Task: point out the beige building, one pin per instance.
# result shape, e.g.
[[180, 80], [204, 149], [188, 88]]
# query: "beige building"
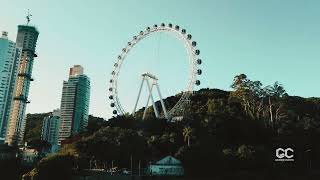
[[26, 40]]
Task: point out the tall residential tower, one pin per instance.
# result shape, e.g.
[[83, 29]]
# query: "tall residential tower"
[[26, 40], [9, 62], [74, 103]]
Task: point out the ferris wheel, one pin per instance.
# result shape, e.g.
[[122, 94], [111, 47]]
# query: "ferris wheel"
[[194, 71]]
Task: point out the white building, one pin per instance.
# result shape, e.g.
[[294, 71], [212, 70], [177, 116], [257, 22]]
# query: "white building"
[[168, 166], [9, 62]]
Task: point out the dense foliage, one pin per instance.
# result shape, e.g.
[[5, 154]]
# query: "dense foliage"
[[223, 134], [52, 167], [33, 127]]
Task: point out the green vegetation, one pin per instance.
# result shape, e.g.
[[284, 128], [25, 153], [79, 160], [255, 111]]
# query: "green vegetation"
[[33, 127], [52, 167], [223, 134]]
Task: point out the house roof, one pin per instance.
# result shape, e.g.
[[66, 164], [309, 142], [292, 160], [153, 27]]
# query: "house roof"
[[169, 160]]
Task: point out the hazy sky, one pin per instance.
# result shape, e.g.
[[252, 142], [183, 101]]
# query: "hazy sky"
[[269, 40]]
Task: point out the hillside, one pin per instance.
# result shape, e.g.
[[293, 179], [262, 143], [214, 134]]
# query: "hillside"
[[34, 125], [235, 131]]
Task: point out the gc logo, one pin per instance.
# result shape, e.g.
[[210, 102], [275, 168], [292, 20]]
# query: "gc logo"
[[284, 153]]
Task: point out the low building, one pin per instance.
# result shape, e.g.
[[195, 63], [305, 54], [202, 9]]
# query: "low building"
[[168, 166], [29, 156]]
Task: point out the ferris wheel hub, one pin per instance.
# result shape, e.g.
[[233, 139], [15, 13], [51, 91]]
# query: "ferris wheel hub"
[[147, 74]]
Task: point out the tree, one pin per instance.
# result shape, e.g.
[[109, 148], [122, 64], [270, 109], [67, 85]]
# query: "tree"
[[187, 133], [245, 152], [113, 143], [274, 94], [250, 94], [40, 145], [53, 167], [95, 123], [34, 126], [259, 102]]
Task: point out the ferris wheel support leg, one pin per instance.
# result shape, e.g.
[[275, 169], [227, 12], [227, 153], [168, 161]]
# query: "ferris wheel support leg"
[[135, 106], [162, 103], [153, 104], [146, 107], [150, 95]]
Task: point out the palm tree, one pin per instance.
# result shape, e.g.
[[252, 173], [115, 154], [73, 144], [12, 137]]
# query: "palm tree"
[[187, 133]]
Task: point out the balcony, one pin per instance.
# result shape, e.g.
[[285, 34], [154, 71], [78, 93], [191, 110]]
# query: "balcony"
[[29, 50], [21, 98], [28, 76]]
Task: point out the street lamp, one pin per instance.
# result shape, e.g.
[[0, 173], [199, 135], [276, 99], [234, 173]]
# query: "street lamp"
[[309, 152]]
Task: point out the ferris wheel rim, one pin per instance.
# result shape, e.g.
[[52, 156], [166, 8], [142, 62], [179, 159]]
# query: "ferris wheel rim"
[[193, 59]]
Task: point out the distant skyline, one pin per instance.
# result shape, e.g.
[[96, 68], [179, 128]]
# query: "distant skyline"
[[269, 40]]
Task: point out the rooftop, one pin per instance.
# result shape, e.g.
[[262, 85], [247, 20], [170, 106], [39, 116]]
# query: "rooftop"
[[27, 27]]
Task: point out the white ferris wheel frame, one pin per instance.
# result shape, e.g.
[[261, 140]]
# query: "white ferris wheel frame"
[[193, 59]]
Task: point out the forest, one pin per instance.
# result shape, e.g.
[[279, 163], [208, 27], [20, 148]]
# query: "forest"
[[223, 135]]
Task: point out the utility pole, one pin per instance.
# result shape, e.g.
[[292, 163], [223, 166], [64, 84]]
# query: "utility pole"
[[131, 164], [112, 167], [105, 165], [309, 151], [139, 168]]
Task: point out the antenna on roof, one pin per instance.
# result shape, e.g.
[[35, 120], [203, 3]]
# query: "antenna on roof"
[[28, 17]]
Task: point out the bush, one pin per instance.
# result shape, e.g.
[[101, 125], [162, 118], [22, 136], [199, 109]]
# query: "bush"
[[53, 167]]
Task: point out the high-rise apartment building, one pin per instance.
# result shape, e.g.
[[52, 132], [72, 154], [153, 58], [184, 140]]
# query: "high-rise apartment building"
[[50, 128], [9, 62], [26, 40], [74, 103]]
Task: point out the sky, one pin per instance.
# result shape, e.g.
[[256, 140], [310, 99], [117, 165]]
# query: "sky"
[[268, 40]]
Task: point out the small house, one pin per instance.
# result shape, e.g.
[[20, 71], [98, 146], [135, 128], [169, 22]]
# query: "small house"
[[168, 166]]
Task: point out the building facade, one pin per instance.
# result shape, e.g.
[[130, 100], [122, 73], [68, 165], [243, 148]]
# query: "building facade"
[[74, 103], [9, 62], [26, 40], [168, 166], [50, 128]]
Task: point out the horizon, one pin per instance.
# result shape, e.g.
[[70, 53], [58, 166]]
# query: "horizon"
[[268, 41]]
